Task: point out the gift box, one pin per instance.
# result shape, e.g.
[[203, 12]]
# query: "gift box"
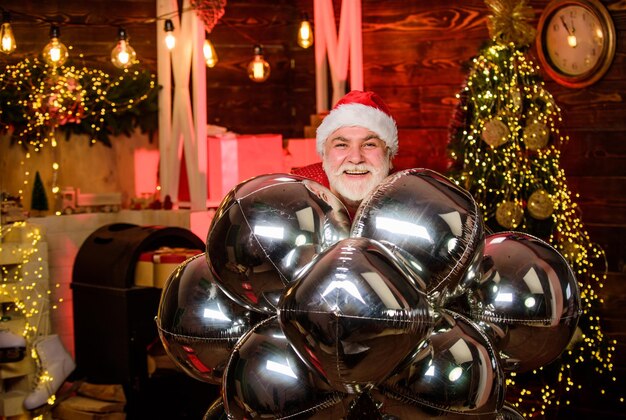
[[153, 268], [234, 158], [144, 269], [300, 153], [166, 260]]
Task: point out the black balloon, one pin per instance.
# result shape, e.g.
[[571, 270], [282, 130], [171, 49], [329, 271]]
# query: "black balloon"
[[353, 315], [428, 220], [265, 230], [198, 324], [527, 300]]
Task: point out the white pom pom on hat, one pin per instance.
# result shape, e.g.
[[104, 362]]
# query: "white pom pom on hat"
[[360, 109]]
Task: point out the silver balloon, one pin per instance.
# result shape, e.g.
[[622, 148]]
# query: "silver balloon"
[[396, 409], [265, 230], [432, 223], [216, 411], [353, 315], [265, 378], [198, 324], [509, 413], [459, 374], [527, 300]]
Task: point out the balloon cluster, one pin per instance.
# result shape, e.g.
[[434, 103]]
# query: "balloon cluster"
[[411, 311]]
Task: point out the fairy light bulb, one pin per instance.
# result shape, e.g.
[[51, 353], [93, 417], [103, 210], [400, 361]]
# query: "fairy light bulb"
[[258, 68], [305, 33], [210, 56], [7, 40], [170, 39], [55, 53], [123, 55]]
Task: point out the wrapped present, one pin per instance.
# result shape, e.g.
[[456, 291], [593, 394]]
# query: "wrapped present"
[[300, 153], [153, 268], [232, 159], [166, 260], [144, 269]]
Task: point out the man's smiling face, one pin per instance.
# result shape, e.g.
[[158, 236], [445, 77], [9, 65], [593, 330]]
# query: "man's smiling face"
[[355, 160]]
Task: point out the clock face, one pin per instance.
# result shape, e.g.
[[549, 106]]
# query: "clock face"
[[574, 40]]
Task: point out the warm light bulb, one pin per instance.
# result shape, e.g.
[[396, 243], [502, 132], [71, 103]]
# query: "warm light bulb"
[[123, 55], [170, 39], [55, 53], [210, 56], [258, 68], [305, 33], [7, 40]]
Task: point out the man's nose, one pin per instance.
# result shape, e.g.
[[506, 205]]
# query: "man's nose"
[[355, 155]]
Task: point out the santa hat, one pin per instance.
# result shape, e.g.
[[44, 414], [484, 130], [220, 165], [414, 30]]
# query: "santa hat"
[[362, 109]]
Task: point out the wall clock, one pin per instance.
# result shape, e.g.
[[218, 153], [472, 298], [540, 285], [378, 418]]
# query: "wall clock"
[[575, 41]]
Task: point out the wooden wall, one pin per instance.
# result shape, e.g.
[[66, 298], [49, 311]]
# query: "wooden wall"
[[414, 56]]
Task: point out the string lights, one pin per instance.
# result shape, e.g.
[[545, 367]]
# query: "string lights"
[[123, 55], [305, 32], [7, 39], [55, 52], [506, 144], [210, 56], [170, 39], [258, 68]]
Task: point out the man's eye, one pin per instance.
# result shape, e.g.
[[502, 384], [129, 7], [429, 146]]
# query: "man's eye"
[[370, 145], [340, 145]]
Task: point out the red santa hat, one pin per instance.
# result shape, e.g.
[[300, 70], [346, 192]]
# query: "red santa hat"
[[362, 109]]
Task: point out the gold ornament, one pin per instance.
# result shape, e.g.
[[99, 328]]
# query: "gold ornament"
[[536, 136], [540, 205], [509, 214], [508, 22], [495, 133]]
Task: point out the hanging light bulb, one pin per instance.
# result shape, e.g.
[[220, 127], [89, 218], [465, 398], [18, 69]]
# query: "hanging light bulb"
[[7, 40], [305, 33], [258, 68], [210, 56], [55, 53], [170, 39], [123, 55]]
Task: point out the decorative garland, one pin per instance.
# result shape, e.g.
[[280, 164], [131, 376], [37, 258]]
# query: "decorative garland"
[[36, 99]]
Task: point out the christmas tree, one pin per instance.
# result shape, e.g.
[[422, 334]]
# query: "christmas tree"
[[505, 146], [39, 201]]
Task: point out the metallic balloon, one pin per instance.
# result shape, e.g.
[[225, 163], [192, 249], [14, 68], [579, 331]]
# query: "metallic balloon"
[[509, 413], [396, 409], [353, 315], [198, 324], [265, 230], [528, 300], [216, 411], [265, 378], [460, 373], [432, 223]]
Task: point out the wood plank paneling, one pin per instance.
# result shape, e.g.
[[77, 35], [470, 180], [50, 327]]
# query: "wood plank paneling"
[[415, 55]]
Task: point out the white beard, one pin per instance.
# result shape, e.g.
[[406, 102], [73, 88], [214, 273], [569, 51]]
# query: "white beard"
[[356, 190]]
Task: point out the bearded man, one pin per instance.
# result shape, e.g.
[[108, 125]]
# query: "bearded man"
[[356, 141]]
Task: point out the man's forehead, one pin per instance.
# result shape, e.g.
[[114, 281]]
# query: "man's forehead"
[[353, 134]]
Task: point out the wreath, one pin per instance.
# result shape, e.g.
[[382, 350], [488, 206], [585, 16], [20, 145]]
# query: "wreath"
[[37, 99]]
